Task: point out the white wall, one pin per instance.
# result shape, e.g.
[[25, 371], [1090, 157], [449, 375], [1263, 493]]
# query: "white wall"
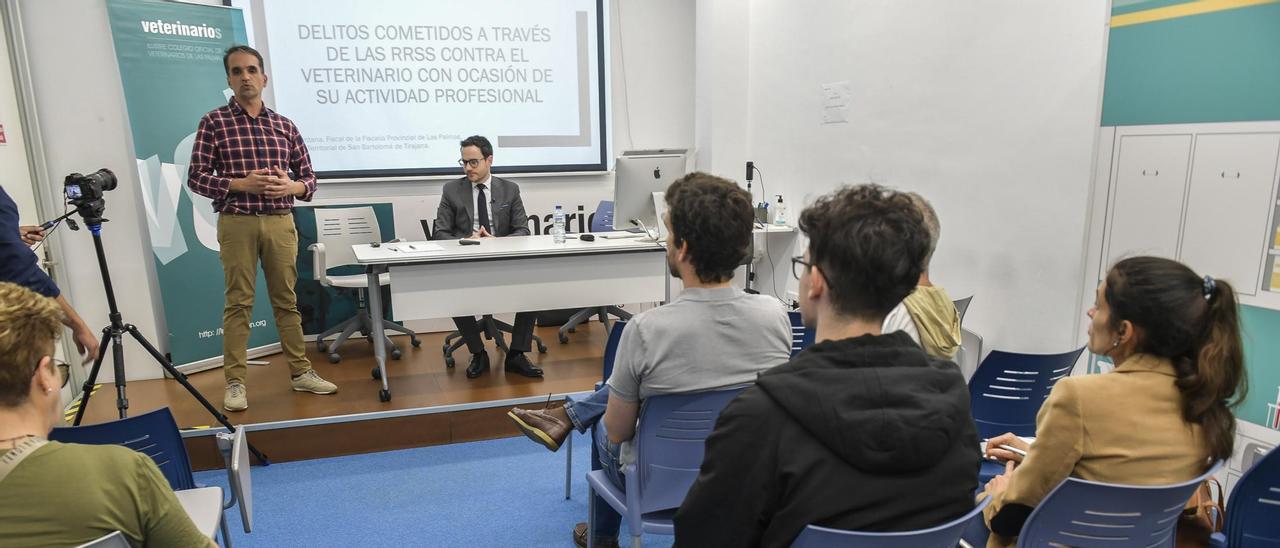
[[14, 175], [84, 126], [721, 86], [80, 108], [988, 109]]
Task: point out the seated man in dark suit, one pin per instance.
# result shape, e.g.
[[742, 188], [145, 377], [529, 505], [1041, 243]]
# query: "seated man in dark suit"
[[480, 205]]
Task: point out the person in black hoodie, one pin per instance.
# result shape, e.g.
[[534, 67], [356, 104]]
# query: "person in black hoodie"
[[861, 431]]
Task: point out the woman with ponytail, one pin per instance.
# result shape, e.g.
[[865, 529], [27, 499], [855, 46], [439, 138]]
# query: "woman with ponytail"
[[1162, 416]]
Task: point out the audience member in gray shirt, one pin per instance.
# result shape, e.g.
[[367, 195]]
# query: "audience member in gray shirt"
[[712, 335]]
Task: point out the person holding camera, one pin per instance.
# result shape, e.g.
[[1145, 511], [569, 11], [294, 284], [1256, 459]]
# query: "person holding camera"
[[18, 264], [241, 158]]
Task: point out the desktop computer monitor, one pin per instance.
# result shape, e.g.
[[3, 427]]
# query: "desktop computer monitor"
[[637, 175]]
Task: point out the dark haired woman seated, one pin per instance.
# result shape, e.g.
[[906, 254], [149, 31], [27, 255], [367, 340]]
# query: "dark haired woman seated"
[[1162, 417]]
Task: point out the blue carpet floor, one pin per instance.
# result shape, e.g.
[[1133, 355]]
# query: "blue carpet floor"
[[497, 493]]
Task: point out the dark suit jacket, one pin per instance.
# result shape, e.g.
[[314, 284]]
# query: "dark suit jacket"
[[454, 218]]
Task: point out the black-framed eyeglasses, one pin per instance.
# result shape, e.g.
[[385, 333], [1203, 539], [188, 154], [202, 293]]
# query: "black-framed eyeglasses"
[[472, 162], [64, 369], [799, 265]]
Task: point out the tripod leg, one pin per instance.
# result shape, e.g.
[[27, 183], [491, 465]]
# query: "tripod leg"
[[87, 390], [182, 379], [117, 363]]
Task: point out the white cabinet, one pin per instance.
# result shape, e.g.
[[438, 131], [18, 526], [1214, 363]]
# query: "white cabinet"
[[1150, 181], [1229, 204], [1204, 194]]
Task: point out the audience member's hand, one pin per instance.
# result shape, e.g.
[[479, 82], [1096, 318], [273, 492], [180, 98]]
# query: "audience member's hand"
[[484, 233], [31, 234], [994, 450], [999, 483]]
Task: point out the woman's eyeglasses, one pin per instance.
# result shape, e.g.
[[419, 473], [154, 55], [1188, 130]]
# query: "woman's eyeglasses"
[[64, 369]]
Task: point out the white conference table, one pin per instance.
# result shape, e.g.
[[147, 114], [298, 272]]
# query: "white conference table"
[[441, 278]]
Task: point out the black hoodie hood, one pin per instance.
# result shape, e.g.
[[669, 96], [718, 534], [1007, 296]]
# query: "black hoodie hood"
[[877, 401]]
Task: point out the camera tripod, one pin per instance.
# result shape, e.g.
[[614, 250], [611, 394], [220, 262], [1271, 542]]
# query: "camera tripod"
[[114, 335]]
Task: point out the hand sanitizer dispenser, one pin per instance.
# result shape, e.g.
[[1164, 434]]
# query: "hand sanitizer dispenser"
[[780, 212]]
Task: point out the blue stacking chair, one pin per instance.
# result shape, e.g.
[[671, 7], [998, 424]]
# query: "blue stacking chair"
[[611, 350], [1008, 389], [669, 446], [154, 434], [1088, 514], [946, 535], [801, 336], [610, 353], [1253, 513], [1006, 393]]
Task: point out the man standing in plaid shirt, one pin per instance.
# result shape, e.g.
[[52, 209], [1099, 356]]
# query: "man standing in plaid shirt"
[[242, 158]]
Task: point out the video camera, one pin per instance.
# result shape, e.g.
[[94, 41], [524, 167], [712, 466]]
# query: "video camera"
[[85, 192]]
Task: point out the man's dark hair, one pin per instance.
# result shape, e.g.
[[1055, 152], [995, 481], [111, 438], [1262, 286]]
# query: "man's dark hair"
[[712, 215], [478, 141], [870, 243], [226, 57]]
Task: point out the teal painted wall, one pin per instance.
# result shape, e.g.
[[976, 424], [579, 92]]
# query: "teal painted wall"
[[1262, 359], [1215, 67], [1120, 7]]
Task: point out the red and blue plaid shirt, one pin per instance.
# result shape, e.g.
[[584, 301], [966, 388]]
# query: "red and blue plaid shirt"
[[230, 144]]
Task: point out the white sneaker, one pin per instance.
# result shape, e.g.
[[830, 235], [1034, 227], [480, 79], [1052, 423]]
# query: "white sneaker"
[[236, 397], [311, 382]]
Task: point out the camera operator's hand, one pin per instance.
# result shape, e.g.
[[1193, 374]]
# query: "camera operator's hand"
[[86, 343], [282, 186], [31, 234], [86, 340], [256, 182]]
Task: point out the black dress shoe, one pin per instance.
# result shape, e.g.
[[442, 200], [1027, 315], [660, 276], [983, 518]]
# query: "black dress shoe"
[[517, 363], [479, 364]]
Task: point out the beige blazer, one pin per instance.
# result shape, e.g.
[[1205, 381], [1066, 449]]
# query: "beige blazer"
[[1122, 427]]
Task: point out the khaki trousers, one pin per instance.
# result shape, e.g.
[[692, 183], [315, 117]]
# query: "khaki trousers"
[[244, 240]]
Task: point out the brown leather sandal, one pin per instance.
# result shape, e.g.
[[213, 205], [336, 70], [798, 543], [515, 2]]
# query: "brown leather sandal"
[[580, 538]]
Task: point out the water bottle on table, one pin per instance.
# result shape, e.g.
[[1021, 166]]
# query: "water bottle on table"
[[557, 226]]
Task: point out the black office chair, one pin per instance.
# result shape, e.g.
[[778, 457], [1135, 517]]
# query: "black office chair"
[[490, 326]]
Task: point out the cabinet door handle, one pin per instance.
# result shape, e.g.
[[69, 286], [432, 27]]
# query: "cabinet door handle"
[[1226, 175], [1151, 172]]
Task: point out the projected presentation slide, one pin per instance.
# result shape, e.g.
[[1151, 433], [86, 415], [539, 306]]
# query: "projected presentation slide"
[[389, 88]]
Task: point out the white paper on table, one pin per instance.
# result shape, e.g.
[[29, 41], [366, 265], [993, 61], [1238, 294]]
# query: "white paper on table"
[[414, 247]]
